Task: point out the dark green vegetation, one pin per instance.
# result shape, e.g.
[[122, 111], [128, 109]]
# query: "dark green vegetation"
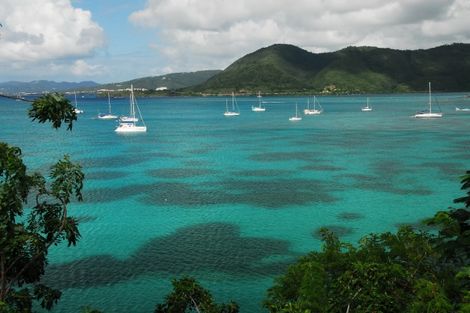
[[406, 271], [33, 214], [287, 69], [189, 296]]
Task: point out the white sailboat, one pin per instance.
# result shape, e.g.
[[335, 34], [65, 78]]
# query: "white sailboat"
[[428, 113], [234, 111], [132, 127], [77, 110], [296, 117], [315, 110], [109, 115], [260, 107], [367, 108], [462, 109]]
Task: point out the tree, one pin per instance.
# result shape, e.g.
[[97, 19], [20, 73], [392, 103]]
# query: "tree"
[[189, 296], [34, 214]]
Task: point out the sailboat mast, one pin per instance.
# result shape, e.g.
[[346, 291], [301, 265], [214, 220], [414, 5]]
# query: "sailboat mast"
[[132, 102], [109, 103], [233, 101], [429, 97]]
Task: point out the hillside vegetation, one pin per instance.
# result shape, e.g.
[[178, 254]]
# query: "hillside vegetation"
[[284, 68], [170, 81]]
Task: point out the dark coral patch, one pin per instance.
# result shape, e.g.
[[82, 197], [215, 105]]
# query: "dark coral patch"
[[349, 216], [182, 172], [321, 167], [205, 247], [283, 156], [263, 173]]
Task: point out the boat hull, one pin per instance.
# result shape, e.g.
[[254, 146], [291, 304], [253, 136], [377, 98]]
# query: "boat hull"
[[428, 115], [257, 109], [107, 117], [231, 114], [130, 128], [312, 112]]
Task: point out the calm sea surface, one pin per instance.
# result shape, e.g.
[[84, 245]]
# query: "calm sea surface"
[[232, 201]]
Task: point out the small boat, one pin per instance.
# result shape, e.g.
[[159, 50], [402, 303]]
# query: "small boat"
[[314, 111], [296, 117], [260, 107], [109, 115], [235, 111], [462, 109], [367, 108], [428, 113], [131, 126], [77, 110]]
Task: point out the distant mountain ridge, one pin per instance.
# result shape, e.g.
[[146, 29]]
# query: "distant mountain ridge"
[[38, 86], [169, 81], [282, 68]]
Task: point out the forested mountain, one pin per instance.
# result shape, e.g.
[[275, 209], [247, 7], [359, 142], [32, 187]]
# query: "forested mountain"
[[284, 68]]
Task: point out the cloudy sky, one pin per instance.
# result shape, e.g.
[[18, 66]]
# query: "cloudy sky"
[[116, 40]]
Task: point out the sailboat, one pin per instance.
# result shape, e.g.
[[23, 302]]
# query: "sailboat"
[[367, 108], [258, 108], [462, 109], [132, 127], [314, 111], [234, 111], [77, 110], [296, 117], [109, 116], [428, 113]]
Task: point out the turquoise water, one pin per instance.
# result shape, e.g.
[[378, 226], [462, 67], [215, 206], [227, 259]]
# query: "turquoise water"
[[232, 201]]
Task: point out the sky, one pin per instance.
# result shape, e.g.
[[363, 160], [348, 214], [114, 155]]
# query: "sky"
[[116, 40]]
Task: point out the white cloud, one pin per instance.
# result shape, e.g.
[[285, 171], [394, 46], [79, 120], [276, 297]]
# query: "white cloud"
[[195, 34], [82, 68], [38, 32]]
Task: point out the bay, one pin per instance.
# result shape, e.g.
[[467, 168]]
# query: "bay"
[[233, 201]]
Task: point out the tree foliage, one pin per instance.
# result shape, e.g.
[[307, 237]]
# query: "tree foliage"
[[34, 215], [407, 271], [54, 108], [190, 296]]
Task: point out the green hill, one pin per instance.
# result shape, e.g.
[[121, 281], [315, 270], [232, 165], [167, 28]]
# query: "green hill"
[[170, 81], [286, 68]]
